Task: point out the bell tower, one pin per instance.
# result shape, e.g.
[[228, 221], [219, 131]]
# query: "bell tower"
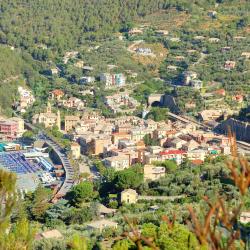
[[58, 120], [48, 107]]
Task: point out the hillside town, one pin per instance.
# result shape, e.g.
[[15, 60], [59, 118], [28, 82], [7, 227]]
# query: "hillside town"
[[124, 125]]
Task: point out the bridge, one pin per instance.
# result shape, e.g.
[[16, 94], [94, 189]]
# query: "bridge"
[[69, 180]]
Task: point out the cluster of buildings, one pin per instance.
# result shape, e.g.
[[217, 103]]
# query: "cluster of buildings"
[[121, 103], [11, 128], [113, 80], [120, 142], [48, 118], [26, 99], [65, 101]]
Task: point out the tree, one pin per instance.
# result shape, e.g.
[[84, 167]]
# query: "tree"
[[12, 236], [78, 242], [40, 202], [83, 192], [170, 165], [28, 135], [128, 178], [178, 237], [7, 198], [149, 141], [158, 114]]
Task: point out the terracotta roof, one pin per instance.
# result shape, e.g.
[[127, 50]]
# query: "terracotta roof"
[[58, 92], [197, 162]]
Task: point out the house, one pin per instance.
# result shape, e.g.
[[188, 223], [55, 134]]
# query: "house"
[[103, 211], [196, 84], [212, 13], [238, 98], [229, 65], [74, 102], [161, 32], [8, 130], [188, 76], [172, 67], [225, 49], [213, 40], [86, 79], [70, 121], [97, 144], [79, 64], [196, 154], [129, 196], [120, 136], [119, 162], [144, 51], [26, 99], [20, 126], [221, 92], [175, 39], [135, 31], [87, 68], [199, 38], [176, 143], [246, 54], [56, 94], [113, 79], [173, 154], [191, 145], [244, 217], [54, 71], [209, 115], [75, 150], [153, 173], [102, 224], [179, 58]]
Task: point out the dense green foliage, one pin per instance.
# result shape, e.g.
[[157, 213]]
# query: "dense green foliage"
[[64, 24]]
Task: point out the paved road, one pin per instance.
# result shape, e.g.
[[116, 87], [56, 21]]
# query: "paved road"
[[69, 171], [69, 180]]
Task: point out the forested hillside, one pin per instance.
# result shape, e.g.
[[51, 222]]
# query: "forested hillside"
[[63, 24], [12, 70]]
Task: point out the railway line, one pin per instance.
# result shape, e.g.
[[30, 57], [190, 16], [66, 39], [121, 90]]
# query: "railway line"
[[240, 144]]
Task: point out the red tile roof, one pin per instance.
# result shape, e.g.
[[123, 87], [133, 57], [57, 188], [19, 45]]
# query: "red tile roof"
[[172, 152], [58, 92]]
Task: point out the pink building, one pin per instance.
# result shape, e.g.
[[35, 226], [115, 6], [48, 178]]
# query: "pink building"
[[8, 129]]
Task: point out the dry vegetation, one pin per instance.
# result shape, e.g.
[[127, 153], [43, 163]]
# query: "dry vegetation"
[[164, 20]]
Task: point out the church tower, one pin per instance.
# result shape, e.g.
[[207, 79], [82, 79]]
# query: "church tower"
[[48, 107], [58, 120]]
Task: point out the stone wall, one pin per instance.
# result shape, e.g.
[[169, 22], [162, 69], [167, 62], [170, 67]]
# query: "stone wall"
[[241, 129]]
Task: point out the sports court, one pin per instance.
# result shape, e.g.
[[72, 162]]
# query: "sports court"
[[16, 162]]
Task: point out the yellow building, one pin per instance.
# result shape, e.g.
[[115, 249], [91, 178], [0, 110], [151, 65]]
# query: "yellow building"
[[153, 173], [76, 150], [129, 196], [97, 145], [70, 122]]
